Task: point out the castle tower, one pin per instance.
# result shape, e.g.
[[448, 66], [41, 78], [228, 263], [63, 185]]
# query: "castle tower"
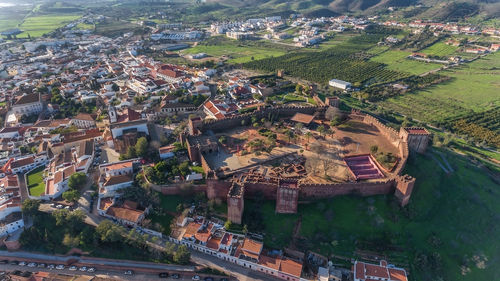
[[404, 188], [194, 125], [112, 114], [417, 138], [333, 101], [287, 197], [235, 202]]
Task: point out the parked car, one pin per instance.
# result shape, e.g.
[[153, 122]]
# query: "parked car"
[[51, 266], [129, 272], [83, 268], [59, 266], [163, 275], [73, 268], [14, 262], [91, 269], [208, 279], [59, 206], [32, 264], [22, 263], [67, 207], [176, 276], [196, 277], [41, 265]]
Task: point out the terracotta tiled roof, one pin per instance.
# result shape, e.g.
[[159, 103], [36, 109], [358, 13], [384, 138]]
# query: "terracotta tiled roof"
[[291, 267], [191, 229], [271, 262], [29, 98], [22, 162], [302, 118], [252, 246], [118, 180], [397, 274], [125, 213]]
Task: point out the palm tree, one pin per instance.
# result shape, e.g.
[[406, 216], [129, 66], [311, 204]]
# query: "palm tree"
[[321, 130]]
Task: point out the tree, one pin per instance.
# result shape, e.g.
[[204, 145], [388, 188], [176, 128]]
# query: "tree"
[[70, 241], [108, 231], [77, 180], [321, 130], [141, 147], [373, 149], [308, 135], [228, 224], [222, 139], [71, 195], [30, 207], [182, 255]]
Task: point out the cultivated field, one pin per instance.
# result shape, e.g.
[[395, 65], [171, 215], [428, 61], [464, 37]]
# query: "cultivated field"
[[397, 60], [474, 87], [37, 26], [235, 54], [440, 49]]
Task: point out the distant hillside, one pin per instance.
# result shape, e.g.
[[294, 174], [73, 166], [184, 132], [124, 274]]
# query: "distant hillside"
[[431, 9]]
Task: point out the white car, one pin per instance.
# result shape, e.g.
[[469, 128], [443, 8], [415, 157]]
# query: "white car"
[[51, 266], [31, 264], [196, 277], [73, 268], [59, 206], [59, 266], [91, 269], [83, 268], [22, 263]]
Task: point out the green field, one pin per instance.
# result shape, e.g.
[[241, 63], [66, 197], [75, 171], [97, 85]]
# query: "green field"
[[115, 28], [36, 184], [452, 217], [474, 87], [397, 60], [237, 54], [37, 26], [440, 49]]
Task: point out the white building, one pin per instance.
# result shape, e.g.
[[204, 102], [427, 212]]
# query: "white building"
[[340, 84], [28, 104]]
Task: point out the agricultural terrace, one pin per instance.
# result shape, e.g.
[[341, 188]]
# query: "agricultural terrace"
[[472, 89], [397, 60], [35, 182], [276, 148]]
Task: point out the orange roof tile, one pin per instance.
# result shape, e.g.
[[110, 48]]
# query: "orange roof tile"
[[291, 267], [252, 246]]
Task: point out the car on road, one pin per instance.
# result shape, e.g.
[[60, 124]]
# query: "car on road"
[[51, 266], [196, 277], [176, 276], [91, 269], [41, 265], [83, 268], [53, 205], [72, 268], [32, 264], [223, 279], [59, 266], [163, 275], [208, 279], [129, 272], [22, 263], [14, 262], [59, 206], [67, 207]]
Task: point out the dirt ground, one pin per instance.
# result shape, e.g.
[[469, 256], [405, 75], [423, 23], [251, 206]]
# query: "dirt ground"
[[322, 165]]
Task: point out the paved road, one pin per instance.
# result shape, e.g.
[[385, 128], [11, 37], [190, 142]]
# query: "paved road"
[[117, 275], [22, 186], [242, 273], [136, 265]]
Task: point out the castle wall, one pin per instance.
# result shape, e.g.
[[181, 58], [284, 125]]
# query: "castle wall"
[[266, 190], [311, 191], [388, 132], [217, 189]]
